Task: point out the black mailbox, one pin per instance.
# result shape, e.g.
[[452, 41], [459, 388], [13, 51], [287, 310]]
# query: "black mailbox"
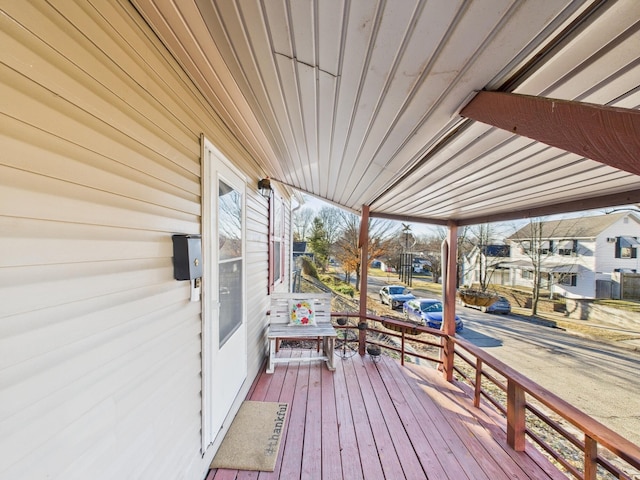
[[187, 257]]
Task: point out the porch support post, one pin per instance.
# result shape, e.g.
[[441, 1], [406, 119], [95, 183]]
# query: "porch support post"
[[364, 271], [609, 135], [449, 298]]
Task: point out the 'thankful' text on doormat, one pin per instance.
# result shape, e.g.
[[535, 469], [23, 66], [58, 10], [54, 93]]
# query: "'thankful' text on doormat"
[[253, 439]]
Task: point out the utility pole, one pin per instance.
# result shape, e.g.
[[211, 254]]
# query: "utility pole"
[[406, 262]]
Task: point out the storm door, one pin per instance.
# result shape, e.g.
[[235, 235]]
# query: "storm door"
[[224, 317]]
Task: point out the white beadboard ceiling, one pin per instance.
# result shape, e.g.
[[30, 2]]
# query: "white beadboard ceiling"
[[357, 101]]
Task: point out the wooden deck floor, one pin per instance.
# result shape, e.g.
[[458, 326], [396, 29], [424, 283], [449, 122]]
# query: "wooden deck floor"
[[383, 421]]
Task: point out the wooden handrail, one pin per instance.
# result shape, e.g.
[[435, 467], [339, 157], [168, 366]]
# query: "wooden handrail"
[[593, 429]]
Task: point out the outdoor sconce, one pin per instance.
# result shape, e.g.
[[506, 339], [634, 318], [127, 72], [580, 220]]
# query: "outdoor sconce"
[[264, 186]]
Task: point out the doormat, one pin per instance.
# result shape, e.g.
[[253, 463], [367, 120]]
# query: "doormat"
[[253, 439]]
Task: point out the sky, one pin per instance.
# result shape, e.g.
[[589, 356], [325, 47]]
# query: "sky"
[[416, 228], [419, 229]]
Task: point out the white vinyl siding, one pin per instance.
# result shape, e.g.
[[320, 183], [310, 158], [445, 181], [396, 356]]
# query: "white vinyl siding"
[[99, 346], [606, 261]]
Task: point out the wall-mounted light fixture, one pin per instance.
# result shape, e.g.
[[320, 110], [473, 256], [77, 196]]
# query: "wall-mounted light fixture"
[[264, 185]]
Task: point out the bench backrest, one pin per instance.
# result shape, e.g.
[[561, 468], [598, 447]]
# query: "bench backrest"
[[279, 312]]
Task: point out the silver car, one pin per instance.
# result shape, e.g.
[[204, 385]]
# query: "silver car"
[[501, 305], [395, 295]]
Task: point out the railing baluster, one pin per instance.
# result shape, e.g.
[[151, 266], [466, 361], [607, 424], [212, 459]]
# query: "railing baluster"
[[478, 386], [590, 458], [516, 419]]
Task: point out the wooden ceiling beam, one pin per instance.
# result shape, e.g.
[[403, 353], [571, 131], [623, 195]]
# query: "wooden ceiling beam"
[[608, 135]]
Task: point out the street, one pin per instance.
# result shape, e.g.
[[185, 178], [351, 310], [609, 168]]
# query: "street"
[[598, 378]]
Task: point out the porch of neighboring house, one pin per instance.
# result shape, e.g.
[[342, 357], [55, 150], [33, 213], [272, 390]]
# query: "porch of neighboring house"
[[376, 420]]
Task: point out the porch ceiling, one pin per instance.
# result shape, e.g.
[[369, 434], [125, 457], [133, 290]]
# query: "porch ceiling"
[[358, 102]]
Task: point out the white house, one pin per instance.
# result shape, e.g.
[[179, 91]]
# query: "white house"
[[109, 367], [578, 256], [486, 262]]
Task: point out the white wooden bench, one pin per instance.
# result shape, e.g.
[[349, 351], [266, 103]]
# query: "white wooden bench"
[[279, 328]]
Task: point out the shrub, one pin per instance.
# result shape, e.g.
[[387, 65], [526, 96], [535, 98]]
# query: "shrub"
[[308, 268], [330, 280], [345, 289]]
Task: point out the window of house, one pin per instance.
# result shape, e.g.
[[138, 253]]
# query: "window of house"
[[626, 247], [567, 248], [626, 252], [527, 274], [546, 247], [277, 240], [568, 280]]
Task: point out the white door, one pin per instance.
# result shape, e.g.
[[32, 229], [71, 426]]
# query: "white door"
[[224, 341]]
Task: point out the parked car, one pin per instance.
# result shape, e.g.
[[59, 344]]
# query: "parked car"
[[395, 295], [502, 305], [427, 312]]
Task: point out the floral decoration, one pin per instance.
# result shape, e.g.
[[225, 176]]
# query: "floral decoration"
[[301, 313]]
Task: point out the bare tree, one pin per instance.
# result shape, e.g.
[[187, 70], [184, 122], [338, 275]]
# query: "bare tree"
[[429, 247], [332, 221], [348, 250], [403, 242], [302, 222], [530, 240], [465, 245], [346, 247], [483, 237], [535, 241]]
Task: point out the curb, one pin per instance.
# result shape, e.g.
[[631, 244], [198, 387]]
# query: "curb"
[[566, 326]]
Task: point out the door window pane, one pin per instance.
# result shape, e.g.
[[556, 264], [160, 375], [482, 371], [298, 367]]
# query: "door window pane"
[[229, 260]]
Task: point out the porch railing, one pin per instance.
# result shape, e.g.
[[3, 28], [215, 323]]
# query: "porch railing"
[[529, 410]]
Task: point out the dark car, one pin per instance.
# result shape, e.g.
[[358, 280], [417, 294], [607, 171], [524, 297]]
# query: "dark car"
[[501, 305], [395, 295], [427, 312]]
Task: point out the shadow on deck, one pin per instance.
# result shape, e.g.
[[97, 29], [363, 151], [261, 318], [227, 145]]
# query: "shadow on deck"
[[381, 420]]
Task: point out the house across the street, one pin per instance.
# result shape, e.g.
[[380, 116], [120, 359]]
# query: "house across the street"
[[583, 257]]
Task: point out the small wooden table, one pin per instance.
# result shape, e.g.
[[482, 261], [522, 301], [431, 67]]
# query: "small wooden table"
[[280, 332]]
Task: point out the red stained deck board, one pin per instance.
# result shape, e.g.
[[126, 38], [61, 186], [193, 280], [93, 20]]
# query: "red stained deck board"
[[331, 464], [369, 420], [427, 455], [471, 433], [530, 461], [383, 441], [293, 447], [420, 410], [407, 455], [439, 409], [312, 458], [369, 457], [349, 453], [222, 474], [283, 392]]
